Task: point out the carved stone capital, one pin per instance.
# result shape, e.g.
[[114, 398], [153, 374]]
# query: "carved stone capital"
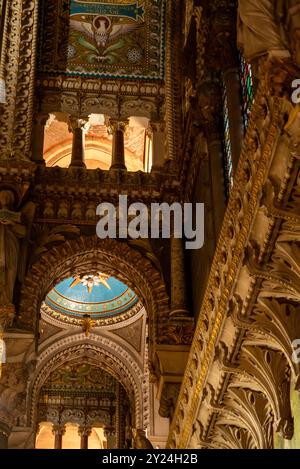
[[7, 313], [78, 123], [58, 429], [84, 431], [117, 124], [109, 431], [41, 119], [156, 127]]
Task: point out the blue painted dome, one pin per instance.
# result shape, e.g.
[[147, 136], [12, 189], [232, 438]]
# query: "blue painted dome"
[[98, 296]]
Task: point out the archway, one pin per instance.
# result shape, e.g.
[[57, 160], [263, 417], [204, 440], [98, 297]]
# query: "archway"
[[89, 253], [99, 352], [102, 346], [85, 405]]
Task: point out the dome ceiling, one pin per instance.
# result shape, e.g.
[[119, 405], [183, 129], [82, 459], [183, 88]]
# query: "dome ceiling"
[[102, 298]]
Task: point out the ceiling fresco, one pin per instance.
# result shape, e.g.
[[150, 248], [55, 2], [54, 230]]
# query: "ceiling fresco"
[[103, 39], [98, 296]]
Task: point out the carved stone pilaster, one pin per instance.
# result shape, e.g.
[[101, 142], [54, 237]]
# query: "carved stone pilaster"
[[16, 118], [156, 132], [168, 400]]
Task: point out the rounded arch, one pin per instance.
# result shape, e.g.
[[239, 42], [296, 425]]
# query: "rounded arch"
[[89, 253], [97, 351]]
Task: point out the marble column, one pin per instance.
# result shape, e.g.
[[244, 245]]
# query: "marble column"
[[117, 129], [236, 128], [84, 433], [38, 134], [156, 132], [78, 127], [179, 308], [58, 431]]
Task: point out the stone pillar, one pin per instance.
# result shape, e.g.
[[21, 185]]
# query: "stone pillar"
[[58, 431], [84, 433], [216, 160], [156, 132], [210, 107], [38, 133], [117, 129], [110, 435], [78, 127], [179, 307], [233, 91]]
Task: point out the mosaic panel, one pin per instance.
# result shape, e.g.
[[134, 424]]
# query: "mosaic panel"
[[108, 39]]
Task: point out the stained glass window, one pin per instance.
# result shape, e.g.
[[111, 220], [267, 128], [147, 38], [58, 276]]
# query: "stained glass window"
[[246, 89], [228, 168]]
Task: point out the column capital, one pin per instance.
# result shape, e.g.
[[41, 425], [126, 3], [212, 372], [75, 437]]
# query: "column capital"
[[58, 429], [156, 126], [75, 122], [109, 431], [117, 124], [41, 118], [84, 431]]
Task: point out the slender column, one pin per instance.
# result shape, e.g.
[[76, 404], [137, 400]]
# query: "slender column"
[[117, 129], [38, 134], [233, 91], [156, 132], [58, 431], [84, 433], [78, 127], [179, 308], [3, 46], [110, 435]]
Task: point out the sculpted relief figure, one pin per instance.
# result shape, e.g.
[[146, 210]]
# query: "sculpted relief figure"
[[269, 27], [13, 228]]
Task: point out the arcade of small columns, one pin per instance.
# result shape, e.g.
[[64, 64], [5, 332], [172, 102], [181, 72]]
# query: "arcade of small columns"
[[116, 127], [84, 433]]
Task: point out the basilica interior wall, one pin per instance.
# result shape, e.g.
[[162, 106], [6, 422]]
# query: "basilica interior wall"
[[163, 102]]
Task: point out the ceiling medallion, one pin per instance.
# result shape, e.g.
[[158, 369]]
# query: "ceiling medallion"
[[91, 281]]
